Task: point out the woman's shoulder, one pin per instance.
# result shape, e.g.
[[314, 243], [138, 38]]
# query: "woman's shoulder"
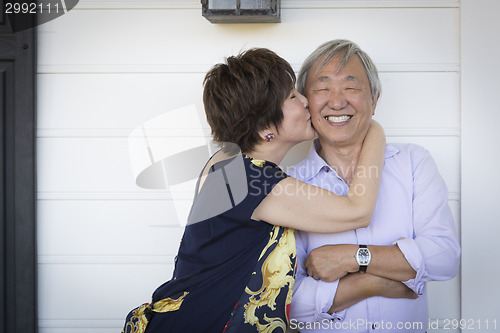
[[239, 181], [263, 168]]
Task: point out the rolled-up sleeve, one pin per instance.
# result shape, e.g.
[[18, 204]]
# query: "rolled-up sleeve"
[[434, 251], [312, 299]]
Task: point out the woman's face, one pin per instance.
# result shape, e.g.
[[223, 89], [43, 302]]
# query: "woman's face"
[[296, 125]]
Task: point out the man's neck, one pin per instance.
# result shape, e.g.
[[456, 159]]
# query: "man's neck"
[[343, 159]]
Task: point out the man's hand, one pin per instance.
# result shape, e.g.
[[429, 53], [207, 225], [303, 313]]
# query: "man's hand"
[[331, 262]]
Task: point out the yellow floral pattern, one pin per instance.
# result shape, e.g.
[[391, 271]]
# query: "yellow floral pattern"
[[275, 275], [255, 162], [139, 320], [168, 304]]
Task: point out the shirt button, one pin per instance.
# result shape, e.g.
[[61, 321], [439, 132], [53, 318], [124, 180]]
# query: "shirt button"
[[374, 327]]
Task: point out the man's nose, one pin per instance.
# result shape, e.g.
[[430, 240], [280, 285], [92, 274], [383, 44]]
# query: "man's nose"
[[336, 100]]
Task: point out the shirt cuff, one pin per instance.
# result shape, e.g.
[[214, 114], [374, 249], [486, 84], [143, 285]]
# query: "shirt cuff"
[[412, 254], [325, 293]]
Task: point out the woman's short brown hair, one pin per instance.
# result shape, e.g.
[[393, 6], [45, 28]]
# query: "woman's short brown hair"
[[245, 95]]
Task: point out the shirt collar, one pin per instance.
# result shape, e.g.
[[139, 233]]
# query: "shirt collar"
[[313, 164]]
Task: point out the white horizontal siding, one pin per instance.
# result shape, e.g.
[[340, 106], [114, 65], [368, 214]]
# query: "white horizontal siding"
[[102, 164], [130, 244], [107, 229], [184, 37], [480, 162], [109, 102], [196, 4], [88, 292], [104, 68], [114, 101]]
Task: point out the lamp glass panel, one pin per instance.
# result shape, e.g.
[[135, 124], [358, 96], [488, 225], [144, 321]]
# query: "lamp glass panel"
[[222, 4], [256, 4]]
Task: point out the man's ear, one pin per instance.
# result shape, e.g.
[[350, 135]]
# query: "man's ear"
[[374, 104]]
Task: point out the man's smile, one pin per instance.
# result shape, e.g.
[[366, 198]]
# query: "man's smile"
[[338, 119]]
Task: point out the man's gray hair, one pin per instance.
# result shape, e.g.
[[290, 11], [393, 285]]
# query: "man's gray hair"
[[345, 48]]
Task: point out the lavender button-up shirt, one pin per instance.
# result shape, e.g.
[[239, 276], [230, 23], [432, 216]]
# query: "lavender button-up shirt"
[[412, 211]]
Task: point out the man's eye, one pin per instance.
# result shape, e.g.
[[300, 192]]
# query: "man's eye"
[[353, 88]]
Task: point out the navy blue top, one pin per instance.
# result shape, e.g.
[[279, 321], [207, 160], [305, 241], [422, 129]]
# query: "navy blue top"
[[232, 273]]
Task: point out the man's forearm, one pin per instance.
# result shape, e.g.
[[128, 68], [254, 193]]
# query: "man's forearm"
[[351, 289], [356, 287], [332, 262], [389, 262]]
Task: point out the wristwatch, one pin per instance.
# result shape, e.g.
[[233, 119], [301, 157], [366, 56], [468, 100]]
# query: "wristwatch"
[[363, 257]]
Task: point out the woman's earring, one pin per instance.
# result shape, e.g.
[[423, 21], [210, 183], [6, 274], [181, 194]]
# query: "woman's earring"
[[269, 137]]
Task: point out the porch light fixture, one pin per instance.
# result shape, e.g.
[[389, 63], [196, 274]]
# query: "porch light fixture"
[[241, 11]]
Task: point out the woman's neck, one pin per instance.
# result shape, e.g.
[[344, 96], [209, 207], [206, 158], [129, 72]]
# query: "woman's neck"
[[269, 151]]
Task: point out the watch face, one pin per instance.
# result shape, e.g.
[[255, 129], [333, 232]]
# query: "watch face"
[[363, 256]]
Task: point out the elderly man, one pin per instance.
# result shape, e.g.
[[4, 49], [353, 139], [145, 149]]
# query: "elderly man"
[[371, 279]]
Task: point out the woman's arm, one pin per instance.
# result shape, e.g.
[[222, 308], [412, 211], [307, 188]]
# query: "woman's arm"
[[298, 205]]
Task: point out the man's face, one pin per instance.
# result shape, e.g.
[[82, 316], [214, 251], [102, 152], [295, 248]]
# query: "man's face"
[[340, 103]]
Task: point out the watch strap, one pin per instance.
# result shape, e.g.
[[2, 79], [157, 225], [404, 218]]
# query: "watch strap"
[[362, 268]]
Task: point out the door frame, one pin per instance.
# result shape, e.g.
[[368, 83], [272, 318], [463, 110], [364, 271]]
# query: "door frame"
[[18, 249]]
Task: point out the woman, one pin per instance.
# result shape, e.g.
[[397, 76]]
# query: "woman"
[[236, 264]]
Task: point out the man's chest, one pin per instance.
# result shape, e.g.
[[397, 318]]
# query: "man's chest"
[[392, 219]]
